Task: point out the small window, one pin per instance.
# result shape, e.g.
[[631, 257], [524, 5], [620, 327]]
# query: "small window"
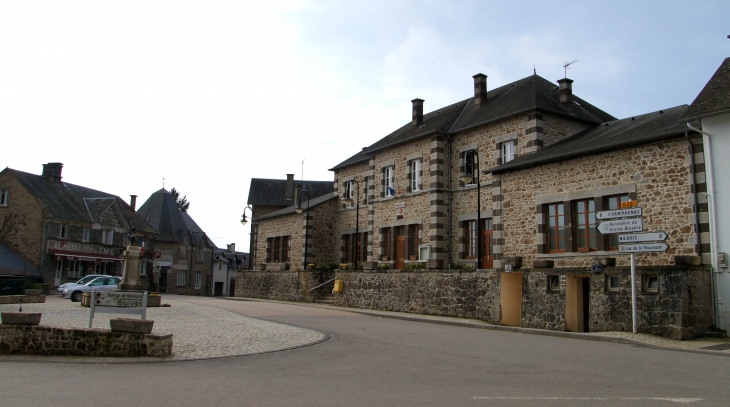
[[180, 278], [553, 284], [183, 251], [650, 283], [87, 234], [388, 181], [469, 167], [107, 236], [3, 197], [613, 283], [508, 151], [350, 191], [470, 239], [200, 254], [415, 175], [198, 280], [143, 267], [63, 232]]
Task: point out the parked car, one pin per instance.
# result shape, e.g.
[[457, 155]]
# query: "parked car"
[[97, 284], [83, 281]]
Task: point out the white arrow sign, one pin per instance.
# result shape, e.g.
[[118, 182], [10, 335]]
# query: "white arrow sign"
[[619, 213], [621, 226], [642, 237], [643, 247]]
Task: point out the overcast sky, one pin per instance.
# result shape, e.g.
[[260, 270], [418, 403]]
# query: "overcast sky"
[[209, 94]]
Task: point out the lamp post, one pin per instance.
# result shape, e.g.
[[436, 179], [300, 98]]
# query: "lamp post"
[[348, 202], [299, 209], [467, 178], [244, 221]]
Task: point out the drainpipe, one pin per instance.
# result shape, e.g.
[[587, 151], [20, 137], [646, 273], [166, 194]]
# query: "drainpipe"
[[710, 181]]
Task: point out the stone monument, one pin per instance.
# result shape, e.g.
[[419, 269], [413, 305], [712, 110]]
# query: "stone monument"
[[130, 276]]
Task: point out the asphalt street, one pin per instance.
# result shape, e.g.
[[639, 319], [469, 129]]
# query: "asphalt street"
[[372, 361]]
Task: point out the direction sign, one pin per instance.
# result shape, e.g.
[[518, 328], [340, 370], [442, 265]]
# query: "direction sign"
[[119, 299], [621, 226], [642, 237], [622, 213], [109, 302], [643, 247]]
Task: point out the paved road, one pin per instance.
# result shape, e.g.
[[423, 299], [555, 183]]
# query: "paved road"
[[386, 362]]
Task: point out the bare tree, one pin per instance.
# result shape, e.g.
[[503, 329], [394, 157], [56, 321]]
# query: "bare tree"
[[182, 203], [10, 225]]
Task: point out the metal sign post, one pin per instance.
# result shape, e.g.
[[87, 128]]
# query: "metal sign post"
[[633, 291]]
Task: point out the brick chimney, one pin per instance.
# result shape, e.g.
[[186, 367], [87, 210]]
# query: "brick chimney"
[[480, 89], [231, 247], [133, 202], [417, 112], [52, 171], [566, 92]]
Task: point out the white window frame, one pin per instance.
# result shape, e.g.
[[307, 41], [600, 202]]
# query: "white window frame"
[[198, 280], [86, 235], [388, 183], [508, 151], [107, 236], [3, 197], [416, 175], [180, 278]]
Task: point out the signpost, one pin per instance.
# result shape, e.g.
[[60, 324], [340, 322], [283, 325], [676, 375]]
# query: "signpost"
[[643, 237], [643, 247], [624, 213], [621, 226], [118, 302]]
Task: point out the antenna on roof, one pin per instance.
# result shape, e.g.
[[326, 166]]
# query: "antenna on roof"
[[163, 183], [567, 65], [534, 70], [303, 169]]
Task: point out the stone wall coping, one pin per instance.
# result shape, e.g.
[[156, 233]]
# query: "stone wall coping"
[[586, 193]]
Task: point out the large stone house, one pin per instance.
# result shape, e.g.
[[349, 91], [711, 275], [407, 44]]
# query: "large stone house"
[[712, 109], [515, 241], [180, 259], [66, 230]]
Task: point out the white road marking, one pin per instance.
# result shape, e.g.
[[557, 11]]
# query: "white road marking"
[[673, 399]]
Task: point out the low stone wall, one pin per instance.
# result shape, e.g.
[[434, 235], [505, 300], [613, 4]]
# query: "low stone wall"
[[281, 285], [25, 299], [446, 293], [52, 341]]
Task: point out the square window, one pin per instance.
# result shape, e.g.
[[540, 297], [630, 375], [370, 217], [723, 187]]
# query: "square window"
[[650, 283], [553, 284], [3, 197], [613, 283], [508, 151]]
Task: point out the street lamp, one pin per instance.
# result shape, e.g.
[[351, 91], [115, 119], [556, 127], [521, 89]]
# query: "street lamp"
[[348, 202], [244, 221], [467, 177], [299, 209]]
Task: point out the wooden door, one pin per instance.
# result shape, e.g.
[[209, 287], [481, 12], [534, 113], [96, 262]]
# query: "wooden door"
[[400, 252], [487, 249]]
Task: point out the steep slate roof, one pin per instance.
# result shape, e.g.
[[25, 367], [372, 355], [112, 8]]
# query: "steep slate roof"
[[161, 211], [241, 258], [292, 209], [525, 95], [647, 128], [196, 232], [64, 200], [13, 264], [714, 98], [271, 192]]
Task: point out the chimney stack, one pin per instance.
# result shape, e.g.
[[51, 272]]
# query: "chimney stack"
[[231, 247], [133, 202], [289, 193], [417, 112], [480, 89], [566, 92], [52, 171]]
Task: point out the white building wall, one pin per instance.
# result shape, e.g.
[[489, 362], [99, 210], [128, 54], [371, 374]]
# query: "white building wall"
[[719, 128]]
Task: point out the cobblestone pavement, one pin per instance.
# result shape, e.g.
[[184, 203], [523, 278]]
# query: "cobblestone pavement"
[[721, 345], [199, 332]]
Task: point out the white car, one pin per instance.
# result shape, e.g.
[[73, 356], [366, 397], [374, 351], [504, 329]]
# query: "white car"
[[83, 281], [97, 284]]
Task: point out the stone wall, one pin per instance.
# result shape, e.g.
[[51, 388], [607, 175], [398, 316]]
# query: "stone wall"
[[22, 299], [52, 341], [28, 242], [278, 285], [680, 309]]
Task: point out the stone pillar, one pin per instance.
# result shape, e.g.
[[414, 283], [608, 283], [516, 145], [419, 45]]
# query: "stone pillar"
[[130, 277]]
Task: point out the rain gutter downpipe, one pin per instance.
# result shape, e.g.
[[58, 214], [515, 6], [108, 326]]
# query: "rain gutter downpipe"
[[710, 181]]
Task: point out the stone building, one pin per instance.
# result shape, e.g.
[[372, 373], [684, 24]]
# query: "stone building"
[[67, 231], [180, 259], [226, 265], [515, 243]]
